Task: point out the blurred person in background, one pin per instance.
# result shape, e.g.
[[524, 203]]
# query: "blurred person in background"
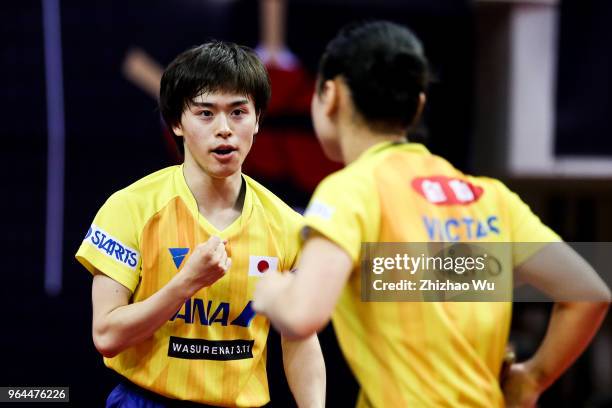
[[171, 301], [371, 90]]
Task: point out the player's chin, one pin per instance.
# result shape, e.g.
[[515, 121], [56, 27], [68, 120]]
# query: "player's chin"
[[225, 170]]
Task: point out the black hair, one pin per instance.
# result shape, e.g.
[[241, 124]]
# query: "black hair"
[[211, 67], [385, 69]]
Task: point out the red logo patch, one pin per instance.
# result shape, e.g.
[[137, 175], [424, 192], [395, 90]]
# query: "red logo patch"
[[442, 190], [263, 266]]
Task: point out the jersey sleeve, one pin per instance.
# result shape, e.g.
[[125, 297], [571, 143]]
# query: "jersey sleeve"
[[528, 233], [344, 210], [111, 243], [292, 245]]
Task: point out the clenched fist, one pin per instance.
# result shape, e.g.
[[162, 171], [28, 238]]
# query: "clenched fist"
[[208, 263]]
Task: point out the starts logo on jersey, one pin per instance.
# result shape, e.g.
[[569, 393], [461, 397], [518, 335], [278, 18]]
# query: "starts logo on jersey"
[[442, 190], [110, 246], [260, 264]]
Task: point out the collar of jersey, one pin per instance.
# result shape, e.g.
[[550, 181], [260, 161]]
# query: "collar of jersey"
[[395, 146], [232, 229]]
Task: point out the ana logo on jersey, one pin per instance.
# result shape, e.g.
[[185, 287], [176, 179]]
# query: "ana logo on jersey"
[[442, 190], [209, 312], [260, 264]]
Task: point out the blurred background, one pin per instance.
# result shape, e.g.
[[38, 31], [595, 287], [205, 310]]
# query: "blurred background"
[[522, 92]]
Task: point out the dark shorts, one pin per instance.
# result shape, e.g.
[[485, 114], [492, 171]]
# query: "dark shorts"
[[128, 395]]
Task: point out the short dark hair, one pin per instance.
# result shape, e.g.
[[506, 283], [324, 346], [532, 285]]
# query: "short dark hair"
[[385, 68], [211, 67]]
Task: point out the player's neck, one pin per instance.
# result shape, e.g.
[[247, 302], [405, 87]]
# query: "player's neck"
[[354, 140], [212, 194]]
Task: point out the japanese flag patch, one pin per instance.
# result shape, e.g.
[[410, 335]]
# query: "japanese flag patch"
[[259, 264]]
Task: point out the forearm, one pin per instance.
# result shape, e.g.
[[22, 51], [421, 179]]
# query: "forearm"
[[572, 326], [286, 314], [133, 323], [143, 71], [305, 371], [301, 303], [299, 311]]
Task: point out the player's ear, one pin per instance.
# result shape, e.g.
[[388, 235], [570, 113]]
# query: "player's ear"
[[329, 97], [257, 124], [420, 107], [178, 130]]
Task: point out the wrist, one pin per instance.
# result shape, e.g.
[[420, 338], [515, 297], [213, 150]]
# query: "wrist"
[[182, 285], [538, 375]]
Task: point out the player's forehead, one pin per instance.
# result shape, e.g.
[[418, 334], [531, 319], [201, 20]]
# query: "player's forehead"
[[222, 98]]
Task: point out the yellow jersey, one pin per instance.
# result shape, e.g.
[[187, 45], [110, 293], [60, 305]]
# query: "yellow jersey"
[[213, 350], [420, 354]]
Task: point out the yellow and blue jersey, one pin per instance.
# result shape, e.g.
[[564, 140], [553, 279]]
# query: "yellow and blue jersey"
[[422, 354], [213, 350]]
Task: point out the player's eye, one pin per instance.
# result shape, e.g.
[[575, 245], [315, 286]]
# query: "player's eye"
[[206, 113], [238, 112]]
